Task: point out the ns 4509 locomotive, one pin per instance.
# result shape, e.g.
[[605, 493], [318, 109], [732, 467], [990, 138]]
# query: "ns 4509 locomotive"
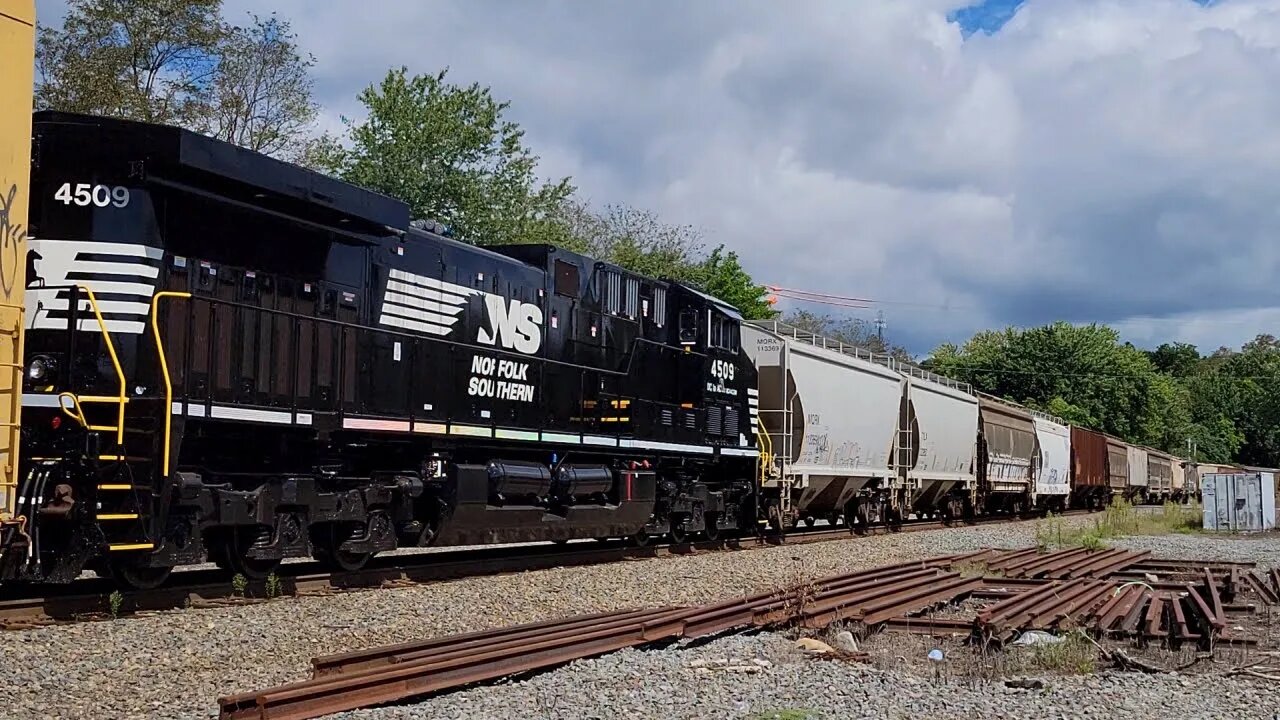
[[234, 358]]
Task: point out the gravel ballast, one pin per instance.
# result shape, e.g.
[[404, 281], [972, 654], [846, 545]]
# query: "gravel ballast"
[[176, 664]]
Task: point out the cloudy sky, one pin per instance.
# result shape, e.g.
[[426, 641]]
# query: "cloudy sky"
[[968, 164]]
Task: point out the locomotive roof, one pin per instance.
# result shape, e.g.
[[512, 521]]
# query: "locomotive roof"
[[199, 154], [721, 305]]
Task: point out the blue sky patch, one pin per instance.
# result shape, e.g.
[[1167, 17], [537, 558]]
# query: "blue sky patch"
[[989, 16], [986, 16]]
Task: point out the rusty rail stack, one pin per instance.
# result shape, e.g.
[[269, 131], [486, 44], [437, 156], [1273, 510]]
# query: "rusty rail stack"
[[1030, 590], [1110, 593]]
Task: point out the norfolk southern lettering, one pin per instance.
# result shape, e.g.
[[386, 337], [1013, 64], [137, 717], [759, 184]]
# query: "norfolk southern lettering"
[[500, 379]]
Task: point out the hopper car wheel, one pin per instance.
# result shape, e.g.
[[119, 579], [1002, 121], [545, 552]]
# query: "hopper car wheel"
[[809, 521], [833, 518], [893, 518], [136, 577], [641, 538]]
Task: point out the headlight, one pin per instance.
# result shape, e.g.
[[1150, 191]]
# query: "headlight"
[[40, 368]]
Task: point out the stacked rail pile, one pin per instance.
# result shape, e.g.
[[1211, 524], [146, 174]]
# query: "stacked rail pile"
[[1031, 590], [1110, 593]]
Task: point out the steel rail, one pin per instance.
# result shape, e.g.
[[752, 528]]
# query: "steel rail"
[[90, 598]]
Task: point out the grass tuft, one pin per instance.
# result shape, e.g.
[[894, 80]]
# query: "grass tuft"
[[1119, 519], [1074, 655]]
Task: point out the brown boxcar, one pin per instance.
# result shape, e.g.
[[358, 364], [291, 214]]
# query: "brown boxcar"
[[1089, 479], [1117, 465]]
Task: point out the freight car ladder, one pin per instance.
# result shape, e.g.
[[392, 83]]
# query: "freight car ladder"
[[773, 467], [123, 507]]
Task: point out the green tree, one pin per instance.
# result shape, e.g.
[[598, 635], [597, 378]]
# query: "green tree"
[[722, 275], [149, 60], [261, 93], [448, 151], [1253, 402], [640, 241], [178, 62], [1081, 373], [1176, 359], [637, 240]]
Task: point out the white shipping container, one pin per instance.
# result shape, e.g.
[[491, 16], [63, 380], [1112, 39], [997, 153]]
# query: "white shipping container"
[[948, 425], [1137, 467], [1054, 474], [1239, 501], [831, 414]]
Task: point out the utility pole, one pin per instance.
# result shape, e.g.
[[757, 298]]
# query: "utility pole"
[[880, 323]]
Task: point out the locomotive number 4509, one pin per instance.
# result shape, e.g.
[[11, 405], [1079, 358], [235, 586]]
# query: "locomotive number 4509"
[[85, 194], [722, 369]]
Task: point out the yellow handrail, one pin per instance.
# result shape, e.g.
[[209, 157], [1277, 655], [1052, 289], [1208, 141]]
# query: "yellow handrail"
[[766, 452], [74, 412], [164, 370], [115, 362]]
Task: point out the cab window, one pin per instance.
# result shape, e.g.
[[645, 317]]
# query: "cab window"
[[724, 332]]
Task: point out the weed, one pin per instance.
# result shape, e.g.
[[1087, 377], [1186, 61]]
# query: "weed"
[[1091, 541], [115, 600], [1074, 655], [273, 585], [1049, 532], [239, 584], [1119, 519], [804, 589]]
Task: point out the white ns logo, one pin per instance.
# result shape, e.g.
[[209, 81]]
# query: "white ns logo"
[[516, 325]]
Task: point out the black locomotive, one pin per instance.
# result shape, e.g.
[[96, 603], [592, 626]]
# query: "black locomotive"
[[236, 358]]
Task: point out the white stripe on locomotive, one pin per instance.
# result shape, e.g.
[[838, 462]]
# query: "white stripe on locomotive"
[[60, 258]]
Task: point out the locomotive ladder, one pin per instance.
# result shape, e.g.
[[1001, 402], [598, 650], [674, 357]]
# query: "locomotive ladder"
[[125, 494]]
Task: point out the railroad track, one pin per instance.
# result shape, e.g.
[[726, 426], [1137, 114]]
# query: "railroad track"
[[91, 599]]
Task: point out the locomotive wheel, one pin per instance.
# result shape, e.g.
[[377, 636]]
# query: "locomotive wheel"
[[712, 529], [641, 538], [679, 536], [326, 544], [230, 555], [136, 577]]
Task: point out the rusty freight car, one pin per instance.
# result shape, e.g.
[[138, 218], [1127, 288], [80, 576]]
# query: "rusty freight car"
[[1117, 466], [1090, 485]]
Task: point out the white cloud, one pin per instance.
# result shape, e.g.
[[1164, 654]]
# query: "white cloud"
[[1094, 160]]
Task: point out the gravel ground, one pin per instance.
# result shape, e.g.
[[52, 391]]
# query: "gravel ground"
[[767, 675], [1261, 548], [176, 664]]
